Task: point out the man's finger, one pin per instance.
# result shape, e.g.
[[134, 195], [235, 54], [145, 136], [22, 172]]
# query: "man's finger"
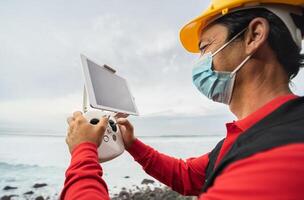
[[69, 120], [103, 123], [69, 130], [67, 140], [121, 121], [121, 115], [77, 114], [78, 117], [125, 122]]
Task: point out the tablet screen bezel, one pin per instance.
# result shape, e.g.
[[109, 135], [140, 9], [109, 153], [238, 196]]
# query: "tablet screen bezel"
[[91, 94]]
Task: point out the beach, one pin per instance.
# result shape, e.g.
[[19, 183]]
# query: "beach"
[[148, 189]]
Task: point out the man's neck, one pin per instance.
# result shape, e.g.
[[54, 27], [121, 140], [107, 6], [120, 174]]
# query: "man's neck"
[[253, 94]]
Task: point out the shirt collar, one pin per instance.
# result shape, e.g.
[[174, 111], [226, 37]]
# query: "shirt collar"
[[262, 112]]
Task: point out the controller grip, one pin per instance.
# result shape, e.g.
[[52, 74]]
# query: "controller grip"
[[112, 144]]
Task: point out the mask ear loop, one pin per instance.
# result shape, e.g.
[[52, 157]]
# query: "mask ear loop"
[[240, 66], [225, 45], [232, 74]]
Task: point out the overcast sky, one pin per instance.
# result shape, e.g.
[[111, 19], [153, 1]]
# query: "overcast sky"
[[41, 77]]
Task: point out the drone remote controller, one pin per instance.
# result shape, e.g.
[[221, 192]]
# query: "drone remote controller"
[[106, 102], [112, 143]]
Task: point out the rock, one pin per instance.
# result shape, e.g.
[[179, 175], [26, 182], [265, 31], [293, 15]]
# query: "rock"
[[29, 193], [158, 190], [39, 198], [124, 195], [39, 185], [158, 193], [8, 197], [127, 177], [147, 181], [137, 196], [9, 188]]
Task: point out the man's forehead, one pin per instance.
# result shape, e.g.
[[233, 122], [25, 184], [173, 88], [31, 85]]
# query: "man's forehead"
[[213, 32]]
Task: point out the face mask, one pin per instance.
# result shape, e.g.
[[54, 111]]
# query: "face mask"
[[217, 86]]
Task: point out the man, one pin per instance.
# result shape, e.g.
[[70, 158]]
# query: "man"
[[250, 51]]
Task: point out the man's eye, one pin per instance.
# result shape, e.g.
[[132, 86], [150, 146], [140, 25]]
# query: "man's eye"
[[203, 48]]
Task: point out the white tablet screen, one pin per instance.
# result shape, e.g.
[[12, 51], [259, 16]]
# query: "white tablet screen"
[[110, 90]]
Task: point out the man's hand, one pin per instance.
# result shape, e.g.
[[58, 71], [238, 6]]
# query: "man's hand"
[[126, 128], [80, 130]]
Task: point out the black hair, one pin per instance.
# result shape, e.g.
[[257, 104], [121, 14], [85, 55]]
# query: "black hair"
[[280, 40]]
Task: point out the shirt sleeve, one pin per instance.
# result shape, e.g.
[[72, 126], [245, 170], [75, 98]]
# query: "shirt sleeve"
[[185, 177], [274, 174], [83, 177]]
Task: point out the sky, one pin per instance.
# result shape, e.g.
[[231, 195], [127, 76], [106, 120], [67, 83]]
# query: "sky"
[[41, 80]]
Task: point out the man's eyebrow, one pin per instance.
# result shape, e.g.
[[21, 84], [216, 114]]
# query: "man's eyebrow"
[[208, 41]]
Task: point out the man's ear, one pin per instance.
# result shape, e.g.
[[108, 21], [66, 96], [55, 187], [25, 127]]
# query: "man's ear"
[[256, 35]]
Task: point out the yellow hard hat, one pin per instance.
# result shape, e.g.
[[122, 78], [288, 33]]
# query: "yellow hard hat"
[[190, 33]]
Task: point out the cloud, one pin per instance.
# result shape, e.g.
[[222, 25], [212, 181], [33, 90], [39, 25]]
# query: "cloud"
[[41, 42], [44, 61]]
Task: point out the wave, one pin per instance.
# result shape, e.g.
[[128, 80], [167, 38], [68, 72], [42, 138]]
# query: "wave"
[[23, 134], [4, 165]]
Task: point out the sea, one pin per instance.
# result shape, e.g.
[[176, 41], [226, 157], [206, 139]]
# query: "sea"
[[27, 159]]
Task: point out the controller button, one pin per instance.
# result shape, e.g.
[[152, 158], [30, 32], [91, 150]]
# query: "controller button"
[[106, 138], [114, 128], [94, 121], [114, 137]]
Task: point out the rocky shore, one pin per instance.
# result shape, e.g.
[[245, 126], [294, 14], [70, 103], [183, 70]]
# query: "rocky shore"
[[146, 191], [32, 193]]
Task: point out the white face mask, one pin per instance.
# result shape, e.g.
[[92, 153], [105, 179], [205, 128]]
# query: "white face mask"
[[217, 86]]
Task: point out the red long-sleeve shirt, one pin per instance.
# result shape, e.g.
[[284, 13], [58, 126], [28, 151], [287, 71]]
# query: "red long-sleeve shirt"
[[273, 174]]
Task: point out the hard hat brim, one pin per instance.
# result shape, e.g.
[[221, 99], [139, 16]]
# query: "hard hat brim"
[[190, 33]]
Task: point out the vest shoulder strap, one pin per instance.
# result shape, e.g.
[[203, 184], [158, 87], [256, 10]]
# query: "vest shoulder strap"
[[213, 157]]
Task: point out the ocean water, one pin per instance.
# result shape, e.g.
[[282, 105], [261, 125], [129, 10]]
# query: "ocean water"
[[26, 160]]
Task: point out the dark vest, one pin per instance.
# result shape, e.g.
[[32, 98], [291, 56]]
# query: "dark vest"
[[283, 126]]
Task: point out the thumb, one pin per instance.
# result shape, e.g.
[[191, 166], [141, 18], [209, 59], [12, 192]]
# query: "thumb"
[[102, 124]]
